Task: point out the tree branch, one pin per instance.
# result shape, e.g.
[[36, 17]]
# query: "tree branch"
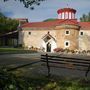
[[29, 3]]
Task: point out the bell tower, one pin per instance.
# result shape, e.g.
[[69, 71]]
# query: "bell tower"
[[66, 13]]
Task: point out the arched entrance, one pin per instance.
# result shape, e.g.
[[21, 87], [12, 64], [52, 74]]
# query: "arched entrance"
[[49, 43], [48, 47]]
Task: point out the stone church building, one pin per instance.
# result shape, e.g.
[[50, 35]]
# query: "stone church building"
[[64, 32]]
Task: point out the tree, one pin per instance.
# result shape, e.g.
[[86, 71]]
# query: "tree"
[[7, 24], [85, 18], [1, 15], [29, 3]]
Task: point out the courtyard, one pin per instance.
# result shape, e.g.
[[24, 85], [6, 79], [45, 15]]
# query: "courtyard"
[[15, 60]]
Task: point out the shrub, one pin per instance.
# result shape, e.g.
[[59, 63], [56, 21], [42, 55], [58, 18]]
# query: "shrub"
[[58, 50], [88, 51], [9, 81], [84, 51], [72, 51], [66, 50]]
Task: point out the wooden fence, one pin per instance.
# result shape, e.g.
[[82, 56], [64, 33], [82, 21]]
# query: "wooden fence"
[[66, 62]]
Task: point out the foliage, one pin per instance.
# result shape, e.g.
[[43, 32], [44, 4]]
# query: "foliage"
[[1, 15], [58, 50], [10, 81], [68, 51], [50, 19], [29, 3], [85, 18], [7, 24]]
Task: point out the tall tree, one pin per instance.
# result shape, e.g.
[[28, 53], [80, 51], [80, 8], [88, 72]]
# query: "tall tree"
[[85, 18], [7, 24], [1, 15]]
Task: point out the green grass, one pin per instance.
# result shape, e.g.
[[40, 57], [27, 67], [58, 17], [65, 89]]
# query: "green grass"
[[15, 50], [40, 82], [58, 84]]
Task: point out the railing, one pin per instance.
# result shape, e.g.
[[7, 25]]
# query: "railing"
[[66, 62]]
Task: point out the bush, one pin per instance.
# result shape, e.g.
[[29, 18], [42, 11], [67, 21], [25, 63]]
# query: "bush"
[[58, 50], [88, 51], [9, 81], [84, 51]]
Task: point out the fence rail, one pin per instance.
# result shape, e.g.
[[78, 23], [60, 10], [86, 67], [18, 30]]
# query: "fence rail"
[[66, 62]]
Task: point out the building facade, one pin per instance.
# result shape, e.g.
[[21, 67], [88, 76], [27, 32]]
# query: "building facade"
[[64, 32]]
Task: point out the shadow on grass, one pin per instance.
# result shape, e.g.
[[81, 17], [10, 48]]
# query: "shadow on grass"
[[36, 81]]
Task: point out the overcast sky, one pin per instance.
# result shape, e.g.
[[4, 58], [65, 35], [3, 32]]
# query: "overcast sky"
[[47, 9]]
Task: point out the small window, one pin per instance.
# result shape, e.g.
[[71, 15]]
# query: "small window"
[[29, 33], [67, 32], [81, 33], [67, 43]]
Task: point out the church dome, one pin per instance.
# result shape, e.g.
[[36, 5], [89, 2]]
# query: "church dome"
[[66, 13]]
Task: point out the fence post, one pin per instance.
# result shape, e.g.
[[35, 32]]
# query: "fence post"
[[87, 71], [48, 67]]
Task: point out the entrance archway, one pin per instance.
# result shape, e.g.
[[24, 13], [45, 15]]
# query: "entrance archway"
[[48, 47], [48, 43]]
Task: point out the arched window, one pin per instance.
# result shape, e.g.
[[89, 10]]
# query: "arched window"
[[67, 44]]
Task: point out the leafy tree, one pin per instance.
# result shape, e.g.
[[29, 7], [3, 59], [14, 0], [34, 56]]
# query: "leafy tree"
[[1, 15], [7, 24], [85, 18], [89, 16], [29, 3]]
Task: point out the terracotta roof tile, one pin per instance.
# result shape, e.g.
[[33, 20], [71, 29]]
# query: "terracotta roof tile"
[[49, 23], [85, 25], [70, 22]]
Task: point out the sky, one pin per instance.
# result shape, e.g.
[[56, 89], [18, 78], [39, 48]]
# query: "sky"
[[47, 9]]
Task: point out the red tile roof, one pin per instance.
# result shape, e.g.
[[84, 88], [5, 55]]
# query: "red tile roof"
[[41, 24], [70, 22], [66, 10], [85, 25], [48, 24]]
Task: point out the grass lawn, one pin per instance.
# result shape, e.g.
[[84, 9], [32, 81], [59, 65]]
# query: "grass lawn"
[[15, 50], [60, 83], [25, 79], [41, 82], [38, 81], [28, 79]]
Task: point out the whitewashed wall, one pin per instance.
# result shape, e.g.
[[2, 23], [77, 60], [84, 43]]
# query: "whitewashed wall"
[[84, 40]]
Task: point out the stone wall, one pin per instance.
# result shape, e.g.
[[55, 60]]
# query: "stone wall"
[[61, 37], [35, 37], [84, 40]]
